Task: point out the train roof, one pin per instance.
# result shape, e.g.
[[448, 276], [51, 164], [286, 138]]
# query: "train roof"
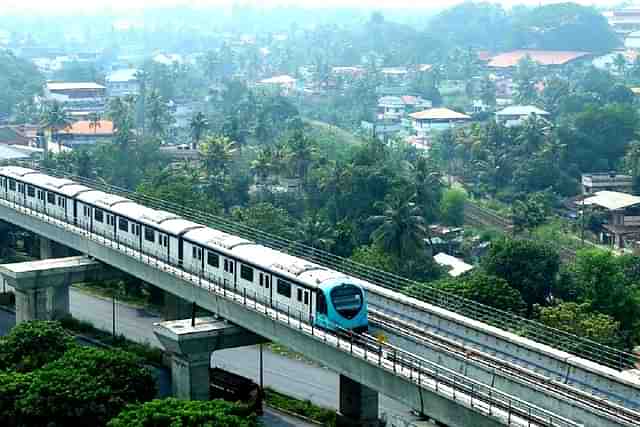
[[100, 198], [15, 171], [63, 186], [178, 226], [216, 238], [275, 260]]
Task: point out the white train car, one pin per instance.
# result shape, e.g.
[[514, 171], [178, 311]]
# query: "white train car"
[[96, 212]]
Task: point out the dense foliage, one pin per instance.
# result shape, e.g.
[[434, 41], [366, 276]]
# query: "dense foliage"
[[181, 413], [20, 81]]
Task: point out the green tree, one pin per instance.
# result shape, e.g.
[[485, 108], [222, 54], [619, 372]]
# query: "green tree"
[[31, 345], [581, 320], [401, 229], [486, 289], [265, 217], [54, 118], [94, 121], [316, 232], [217, 153], [530, 213], [198, 125], [374, 256], [157, 114], [529, 266], [525, 78], [86, 386], [175, 413], [13, 386], [452, 207]]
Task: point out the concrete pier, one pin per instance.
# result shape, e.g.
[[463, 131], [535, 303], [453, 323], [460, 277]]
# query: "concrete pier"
[[358, 404], [191, 347], [42, 287]]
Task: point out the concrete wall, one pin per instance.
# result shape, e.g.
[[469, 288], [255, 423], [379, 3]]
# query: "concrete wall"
[[558, 365]]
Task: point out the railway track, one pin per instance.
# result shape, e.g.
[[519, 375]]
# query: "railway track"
[[420, 335]]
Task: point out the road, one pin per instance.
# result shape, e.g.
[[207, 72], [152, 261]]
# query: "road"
[[295, 378]]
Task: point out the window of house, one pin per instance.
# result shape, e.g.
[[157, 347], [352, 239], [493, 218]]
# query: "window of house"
[[123, 224], [149, 235], [284, 288], [213, 260], [246, 273], [98, 215]]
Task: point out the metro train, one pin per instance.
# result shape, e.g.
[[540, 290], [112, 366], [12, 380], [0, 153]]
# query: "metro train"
[[330, 299]]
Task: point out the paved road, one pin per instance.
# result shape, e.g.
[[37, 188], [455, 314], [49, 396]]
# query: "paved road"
[[295, 378]]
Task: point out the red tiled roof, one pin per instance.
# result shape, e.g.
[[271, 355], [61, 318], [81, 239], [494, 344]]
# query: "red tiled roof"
[[542, 57], [85, 127]]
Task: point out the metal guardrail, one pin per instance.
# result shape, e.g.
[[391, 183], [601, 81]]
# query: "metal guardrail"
[[579, 346], [478, 397]]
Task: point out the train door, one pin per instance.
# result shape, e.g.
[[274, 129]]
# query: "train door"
[[264, 287], [84, 221], [40, 200], [195, 266], [228, 273]]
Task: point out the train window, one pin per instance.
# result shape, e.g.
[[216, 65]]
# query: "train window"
[[166, 241], [246, 273], [213, 260], [284, 288], [31, 192], [123, 224], [321, 303], [300, 295], [51, 198], [98, 215], [267, 281], [40, 195], [261, 279], [12, 185], [306, 298], [193, 252], [149, 235]]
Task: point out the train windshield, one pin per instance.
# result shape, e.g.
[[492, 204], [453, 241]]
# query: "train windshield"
[[347, 300]]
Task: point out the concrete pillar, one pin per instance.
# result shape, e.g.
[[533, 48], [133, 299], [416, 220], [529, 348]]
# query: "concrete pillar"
[[46, 303], [190, 376], [191, 346], [176, 308], [46, 248], [358, 404]]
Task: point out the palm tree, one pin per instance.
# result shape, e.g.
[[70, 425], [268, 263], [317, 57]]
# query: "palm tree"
[[301, 153], [217, 153], [316, 232], [54, 118], [199, 125], [157, 114], [428, 183], [264, 164], [401, 228], [620, 62], [94, 122]]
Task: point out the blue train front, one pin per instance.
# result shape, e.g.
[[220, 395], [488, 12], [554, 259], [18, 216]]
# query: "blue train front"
[[341, 304]]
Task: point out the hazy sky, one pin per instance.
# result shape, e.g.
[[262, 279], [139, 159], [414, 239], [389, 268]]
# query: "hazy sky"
[[83, 5]]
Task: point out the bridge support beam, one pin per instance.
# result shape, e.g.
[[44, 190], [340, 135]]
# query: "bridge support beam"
[[42, 287], [358, 404], [50, 249], [191, 346]]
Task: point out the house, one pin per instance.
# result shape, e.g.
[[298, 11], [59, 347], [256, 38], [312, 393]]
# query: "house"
[[624, 21], [84, 132], [547, 58], [285, 85], [622, 224], [18, 135], [122, 82], [515, 115], [455, 265], [609, 181], [435, 119], [390, 108], [90, 97]]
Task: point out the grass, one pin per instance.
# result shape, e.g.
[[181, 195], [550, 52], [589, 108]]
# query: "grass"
[[303, 408]]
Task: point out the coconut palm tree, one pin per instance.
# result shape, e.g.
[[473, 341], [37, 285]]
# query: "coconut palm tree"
[[301, 153], [198, 125], [428, 182], [54, 118], [94, 122], [264, 164], [316, 232], [401, 227], [217, 153]]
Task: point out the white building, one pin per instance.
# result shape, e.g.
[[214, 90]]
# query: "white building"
[[284, 84], [456, 266], [436, 119], [122, 83], [84, 97], [515, 115]]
